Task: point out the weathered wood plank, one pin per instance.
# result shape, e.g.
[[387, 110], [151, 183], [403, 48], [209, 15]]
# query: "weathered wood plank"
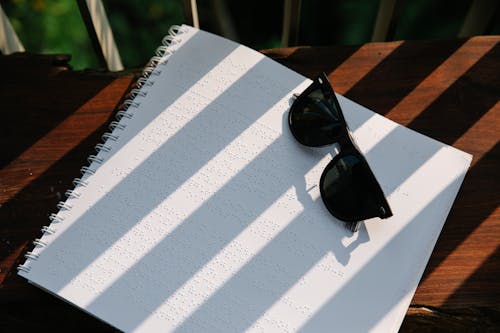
[[53, 117]]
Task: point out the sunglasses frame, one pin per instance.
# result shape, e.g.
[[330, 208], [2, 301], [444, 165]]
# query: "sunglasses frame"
[[347, 147]]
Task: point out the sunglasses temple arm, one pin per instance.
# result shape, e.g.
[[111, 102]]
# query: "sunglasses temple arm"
[[353, 226]]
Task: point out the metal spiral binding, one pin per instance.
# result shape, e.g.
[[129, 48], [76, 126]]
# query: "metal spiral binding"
[[101, 146], [122, 113], [54, 218], [109, 136], [115, 124], [94, 159], [138, 92], [162, 53], [39, 242], [72, 194], [79, 182], [143, 82], [63, 205], [48, 230], [86, 169], [130, 103], [24, 268], [31, 255]]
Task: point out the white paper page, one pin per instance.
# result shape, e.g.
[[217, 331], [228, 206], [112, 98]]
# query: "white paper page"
[[206, 215]]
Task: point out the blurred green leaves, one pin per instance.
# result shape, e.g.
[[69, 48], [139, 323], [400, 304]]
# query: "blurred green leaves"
[[139, 26], [46, 26], [55, 26]]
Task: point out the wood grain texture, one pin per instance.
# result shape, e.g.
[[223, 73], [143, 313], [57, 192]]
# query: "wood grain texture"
[[449, 91], [52, 117]]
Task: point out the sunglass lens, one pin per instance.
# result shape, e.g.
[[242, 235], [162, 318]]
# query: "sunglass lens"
[[314, 120], [350, 190]]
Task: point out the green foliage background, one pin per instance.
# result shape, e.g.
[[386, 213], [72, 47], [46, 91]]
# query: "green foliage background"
[[55, 26]]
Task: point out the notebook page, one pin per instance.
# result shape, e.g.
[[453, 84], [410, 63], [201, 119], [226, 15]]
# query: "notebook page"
[[206, 214]]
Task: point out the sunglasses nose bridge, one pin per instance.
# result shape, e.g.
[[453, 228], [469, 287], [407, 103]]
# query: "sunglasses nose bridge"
[[342, 139]]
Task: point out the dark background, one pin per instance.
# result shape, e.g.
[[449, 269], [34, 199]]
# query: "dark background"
[[46, 26]]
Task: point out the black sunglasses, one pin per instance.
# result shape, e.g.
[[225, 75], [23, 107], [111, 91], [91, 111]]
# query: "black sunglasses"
[[348, 186]]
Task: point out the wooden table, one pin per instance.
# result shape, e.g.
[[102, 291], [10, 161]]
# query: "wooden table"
[[52, 117]]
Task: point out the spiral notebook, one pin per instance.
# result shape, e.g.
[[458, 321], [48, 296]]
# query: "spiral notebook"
[[201, 213]]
